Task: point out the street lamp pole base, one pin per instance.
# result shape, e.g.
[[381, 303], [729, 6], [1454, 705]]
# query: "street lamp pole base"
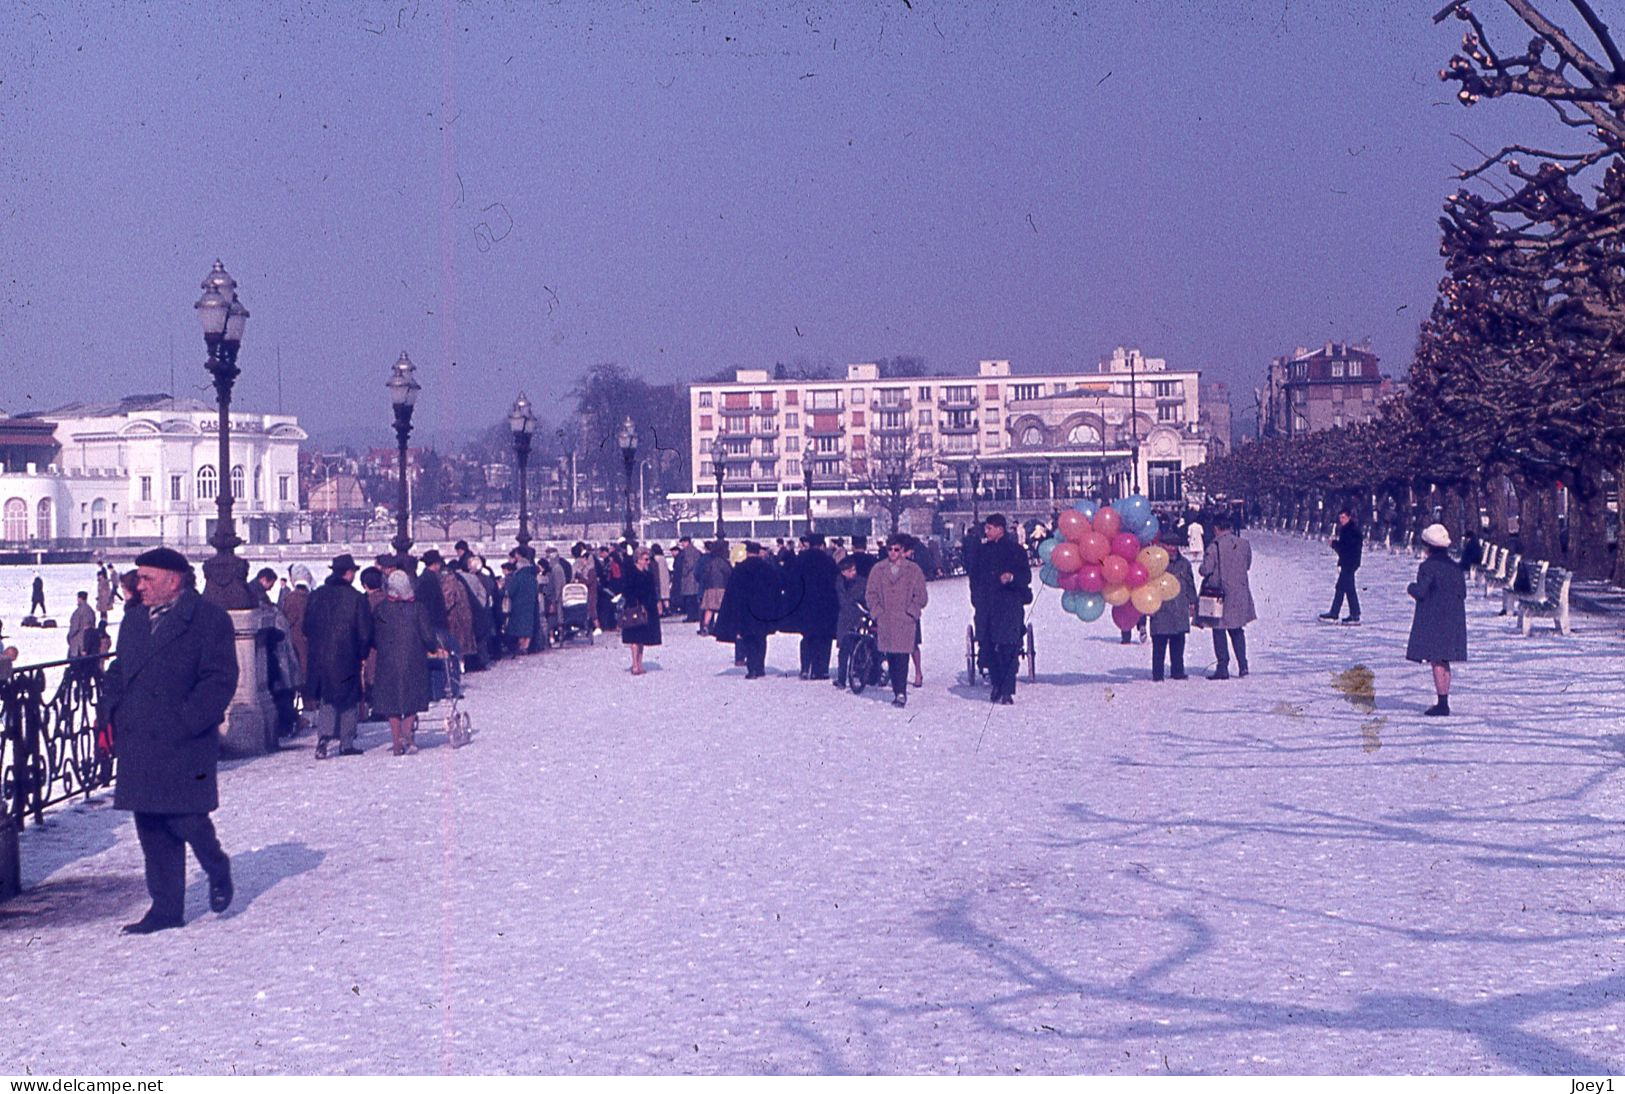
[[225, 581]]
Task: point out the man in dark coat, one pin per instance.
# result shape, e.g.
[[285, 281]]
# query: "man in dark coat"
[[164, 698], [810, 578], [1001, 589], [431, 594], [1347, 543], [752, 608], [338, 625], [860, 553]]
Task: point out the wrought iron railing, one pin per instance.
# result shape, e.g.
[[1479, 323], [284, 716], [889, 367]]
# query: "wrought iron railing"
[[49, 751]]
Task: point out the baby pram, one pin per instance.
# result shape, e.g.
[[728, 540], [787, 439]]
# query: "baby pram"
[[575, 621]]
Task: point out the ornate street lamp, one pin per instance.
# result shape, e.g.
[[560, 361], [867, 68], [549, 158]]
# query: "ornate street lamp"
[[1054, 493], [806, 479], [628, 437], [522, 423], [403, 393], [976, 489], [719, 453], [894, 469], [223, 317]]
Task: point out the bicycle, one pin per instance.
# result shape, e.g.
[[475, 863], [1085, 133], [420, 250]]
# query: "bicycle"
[[865, 663]]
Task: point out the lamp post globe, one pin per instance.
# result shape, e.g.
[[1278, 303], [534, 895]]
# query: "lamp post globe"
[[223, 317], [403, 395], [719, 454], [628, 438], [522, 424]]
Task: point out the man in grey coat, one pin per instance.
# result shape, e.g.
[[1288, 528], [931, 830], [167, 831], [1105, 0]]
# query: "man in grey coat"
[[1227, 560], [164, 698]]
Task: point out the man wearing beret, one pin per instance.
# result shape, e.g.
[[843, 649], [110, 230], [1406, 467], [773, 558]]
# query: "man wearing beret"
[[164, 697]]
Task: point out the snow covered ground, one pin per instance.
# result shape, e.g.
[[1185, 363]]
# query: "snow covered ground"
[[686, 872]]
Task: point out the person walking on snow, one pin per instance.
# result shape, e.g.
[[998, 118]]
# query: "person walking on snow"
[[1227, 561], [897, 597], [1347, 543], [1439, 628]]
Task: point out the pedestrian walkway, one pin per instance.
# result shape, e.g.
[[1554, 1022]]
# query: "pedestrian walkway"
[[1290, 873]]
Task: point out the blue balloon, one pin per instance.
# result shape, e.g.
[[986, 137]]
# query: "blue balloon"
[[1050, 576], [1047, 548], [1069, 601], [1091, 606], [1134, 509], [1087, 507], [1149, 530]]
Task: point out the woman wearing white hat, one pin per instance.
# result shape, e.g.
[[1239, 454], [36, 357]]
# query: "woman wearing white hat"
[[1439, 628]]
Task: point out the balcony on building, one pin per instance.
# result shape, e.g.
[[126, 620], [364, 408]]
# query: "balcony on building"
[[970, 425], [961, 401], [824, 429]]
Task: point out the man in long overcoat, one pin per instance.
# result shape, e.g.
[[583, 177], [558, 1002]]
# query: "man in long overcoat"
[[1000, 590], [338, 626], [810, 578], [752, 608], [1228, 559], [897, 597], [688, 579], [164, 697], [1347, 543]]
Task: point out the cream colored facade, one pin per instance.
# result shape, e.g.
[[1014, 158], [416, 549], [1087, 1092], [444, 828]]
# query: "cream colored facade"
[[929, 432]]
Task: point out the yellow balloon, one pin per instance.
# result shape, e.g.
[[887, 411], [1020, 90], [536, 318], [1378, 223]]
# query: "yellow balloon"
[[1145, 598], [1115, 594], [1167, 586], [736, 553], [1155, 560]]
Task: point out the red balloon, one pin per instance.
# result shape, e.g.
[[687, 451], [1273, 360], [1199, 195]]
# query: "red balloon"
[[1127, 545], [1136, 576], [1094, 547], [1072, 582], [1114, 569], [1090, 578], [1065, 557], [1073, 525], [1125, 615], [1107, 522]]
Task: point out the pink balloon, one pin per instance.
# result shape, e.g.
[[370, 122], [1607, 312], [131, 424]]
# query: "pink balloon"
[[1125, 615], [1090, 578], [1107, 522], [1073, 525], [1094, 547], [1136, 576], [1126, 544], [1114, 569], [1072, 582], [1065, 557]]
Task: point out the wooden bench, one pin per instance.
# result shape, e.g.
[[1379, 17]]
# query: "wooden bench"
[[1528, 578], [1503, 575], [1551, 599], [1491, 555]]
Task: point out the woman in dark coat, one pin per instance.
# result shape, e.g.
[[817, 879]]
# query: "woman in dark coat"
[[404, 639], [1439, 629], [639, 586]]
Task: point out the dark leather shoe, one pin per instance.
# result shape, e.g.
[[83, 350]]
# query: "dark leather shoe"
[[1007, 700], [149, 923], [220, 892], [351, 751], [1242, 671], [1218, 675]]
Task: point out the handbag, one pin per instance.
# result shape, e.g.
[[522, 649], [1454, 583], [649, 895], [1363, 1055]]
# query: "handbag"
[[1210, 598], [635, 615]]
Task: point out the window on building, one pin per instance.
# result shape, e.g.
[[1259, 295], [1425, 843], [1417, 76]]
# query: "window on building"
[[858, 443], [991, 391], [207, 482], [705, 398], [282, 487], [1026, 391], [857, 417], [1165, 389], [824, 400], [792, 420], [924, 417], [1337, 369], [764, 400], [1354, 368], [793, 467], [98, 519], [959, 395], [1169, 412], [42, 520], [705, 422], [1083, 435], [1032, 436], [259, 482], [857, 396], [238, 482], [175, 488], [826, 444], [925, 442], [790, 397], [767, 446], [925, 393], [146, 487], [16, 520], [1163, 480]]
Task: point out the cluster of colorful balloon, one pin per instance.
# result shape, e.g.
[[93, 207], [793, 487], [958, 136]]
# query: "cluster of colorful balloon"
[[1102, 555]]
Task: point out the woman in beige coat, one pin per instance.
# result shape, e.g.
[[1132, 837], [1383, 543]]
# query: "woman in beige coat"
[[897, 597]]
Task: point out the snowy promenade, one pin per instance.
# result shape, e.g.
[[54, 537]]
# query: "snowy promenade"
[[691, 873]]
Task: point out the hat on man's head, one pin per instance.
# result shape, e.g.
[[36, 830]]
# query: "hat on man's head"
[[752, 547], [432, 557], [1434, 535], [850, 562], [344, 563], [814, 539], [164, 558], [387, 561], [266, 574]]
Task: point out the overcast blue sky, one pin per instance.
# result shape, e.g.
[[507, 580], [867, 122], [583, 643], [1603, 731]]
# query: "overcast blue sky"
[[515, 192]]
